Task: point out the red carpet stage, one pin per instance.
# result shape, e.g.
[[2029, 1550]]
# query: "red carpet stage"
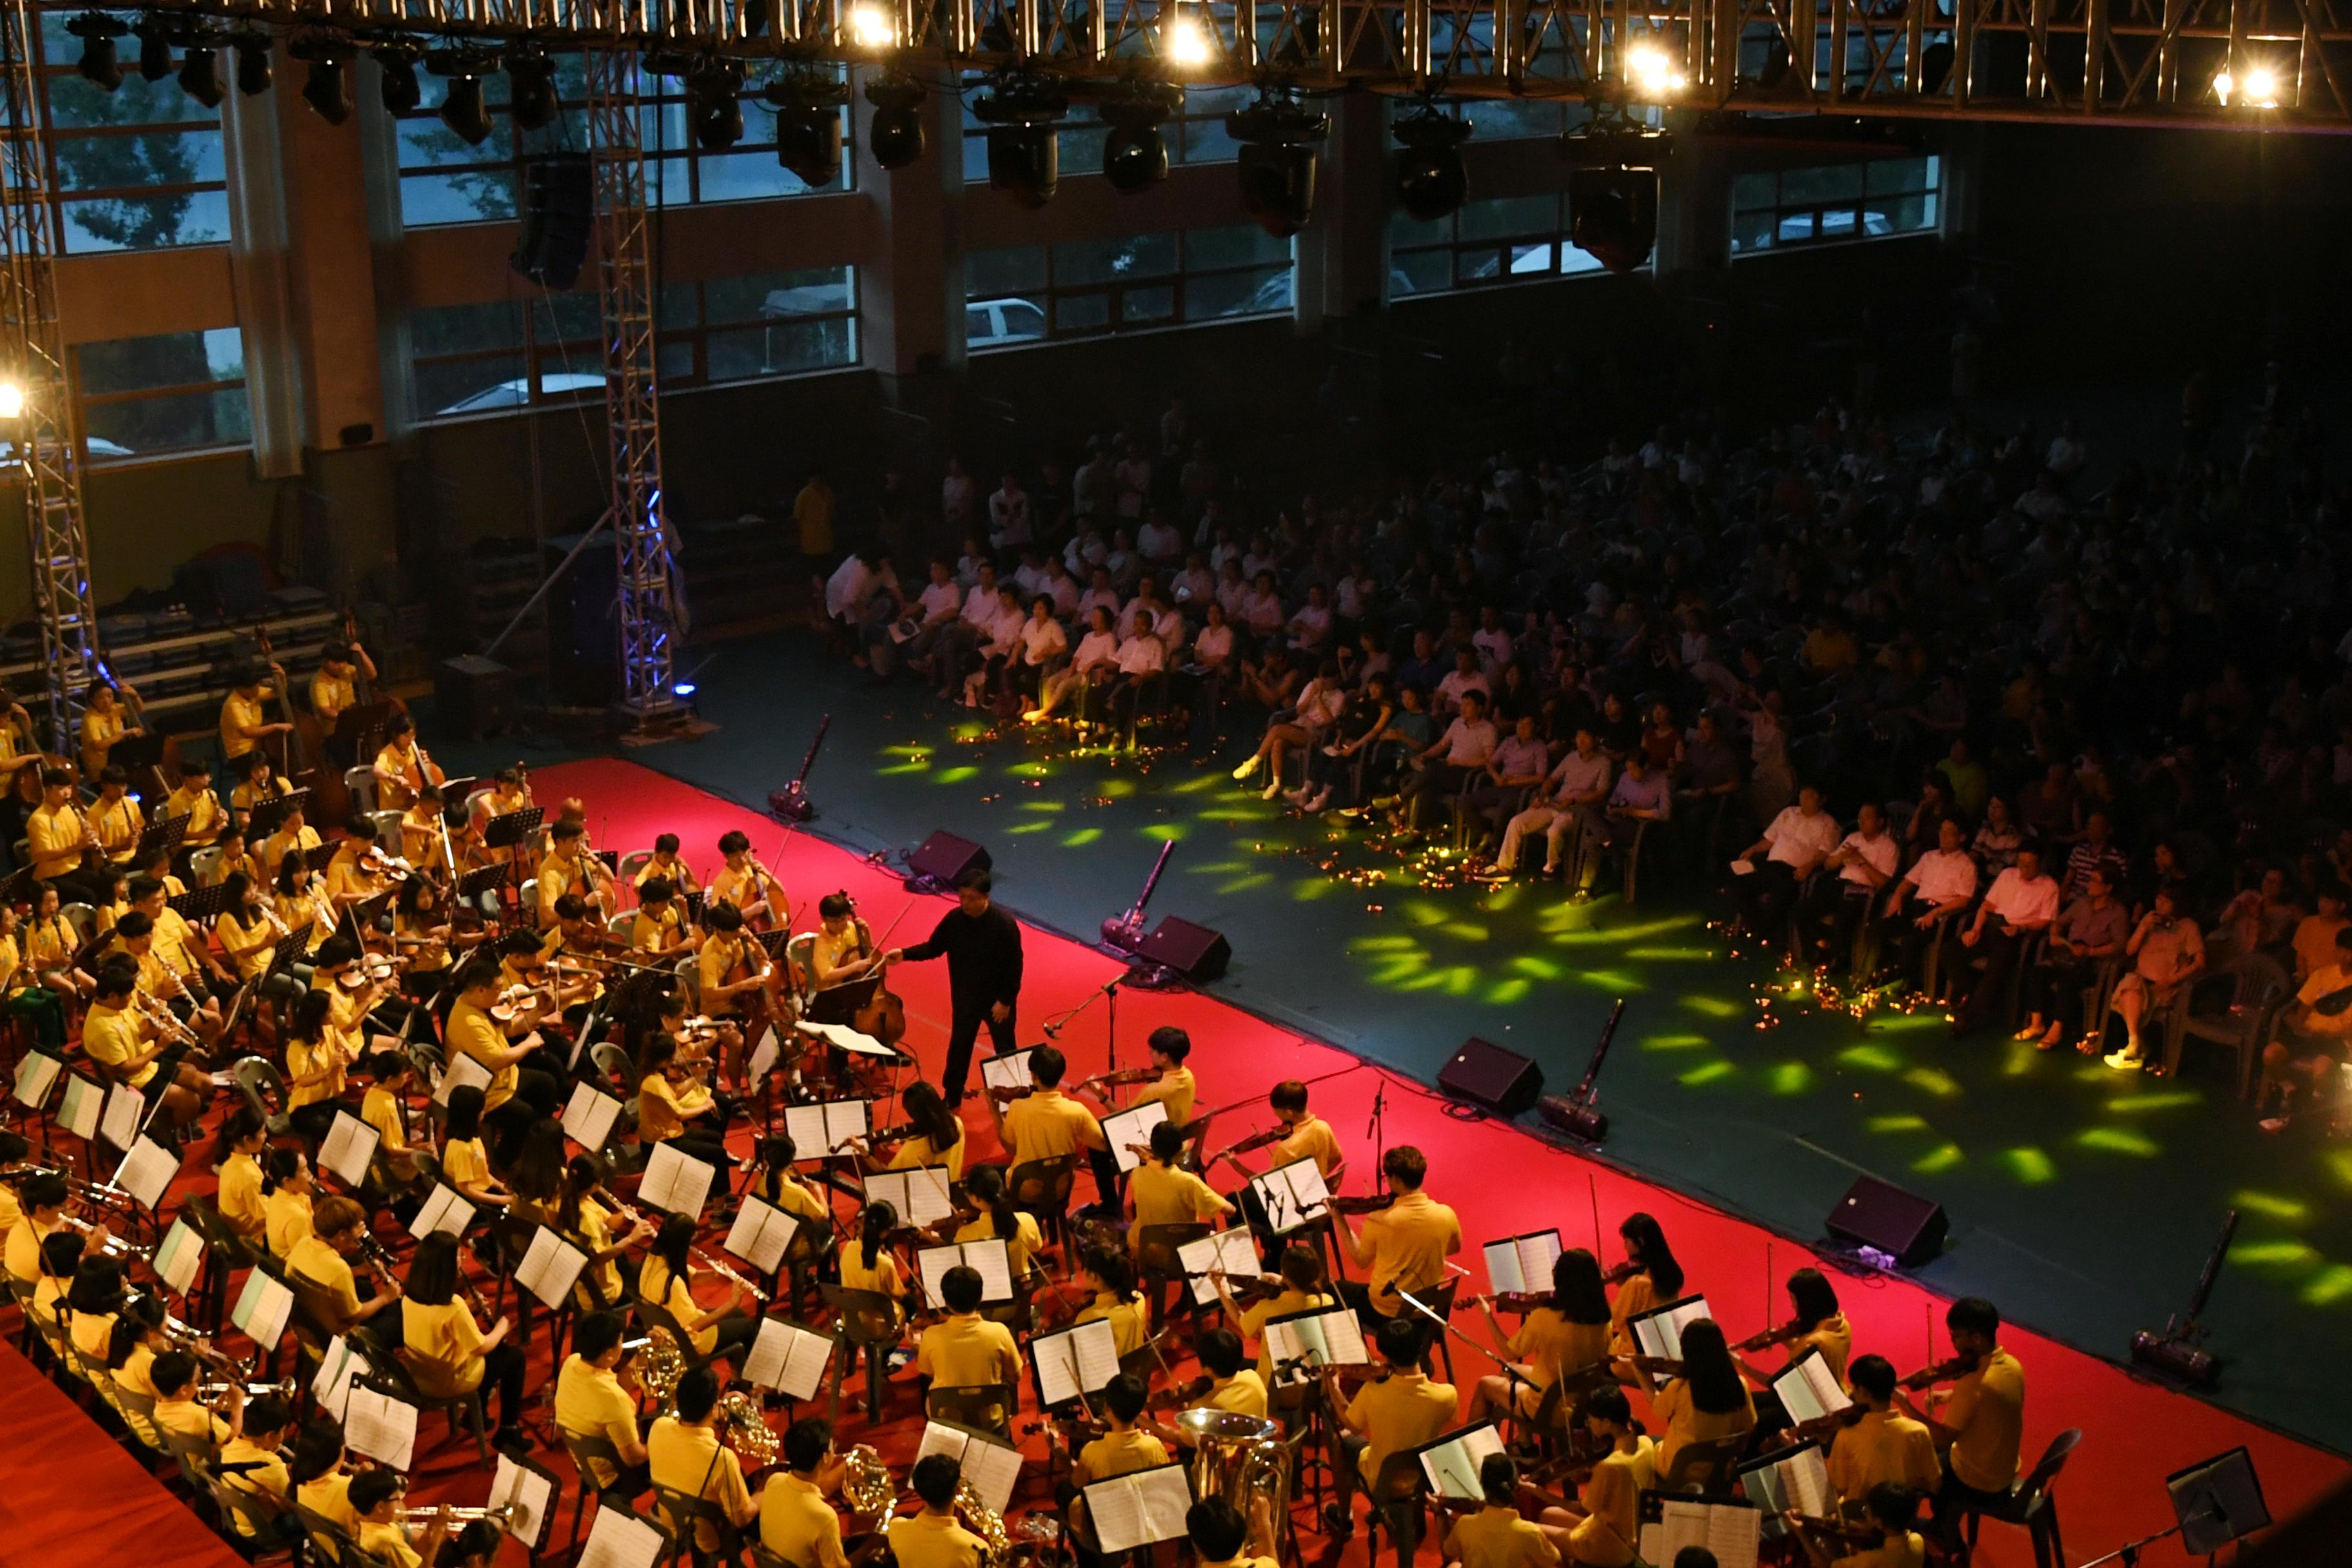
[[1501, 1181]]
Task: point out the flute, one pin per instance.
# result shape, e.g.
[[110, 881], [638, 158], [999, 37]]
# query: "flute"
[[711, 1265]]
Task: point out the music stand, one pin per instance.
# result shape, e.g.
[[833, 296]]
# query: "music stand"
[[694, 902], [198, 904], [479, 880], [160, 838], [774, 942], [508, 829], [137, 755], [840, 1004], [2217, 1501], [267, 814], [319, 856], [360, 726]]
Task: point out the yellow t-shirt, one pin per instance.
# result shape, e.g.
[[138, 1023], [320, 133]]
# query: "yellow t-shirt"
[[1311, 1139], [330, 697], [1686, 1422], [1242, 1393], [662, 1108], [917, 1152], [380, 1109], [98, 731], [1130, 1320], [934, 1540], [445, 1347], [284, 842], [1909, 1551], [1605, 1536], [390, 1543], [1636, 1296], [1834, 1339], [313, 1260], [474, 1033], [465, 1162], [1115, 1454], [1554, 1347], [1289, 1300], [656, 1284], [286, 1220], [1169, 1194], [798, 1525], [1403, 1413], [718, 955], [119, 824], [651, 933], [23, 1250], [201, 808], [328, 1055], [1498, 1538], [248, 1467], [1884, 1446], [1022, 1246], [1405, 1246], [392, 765], [591, 1402], [1987, 1409], [690, 1459], [250, 945], [238, 714], [240, 1197], [53, 833], [1174, 1091], [329, 1496], [966, 1350], [1048, 1124], [883, 1279], [109, 1035]]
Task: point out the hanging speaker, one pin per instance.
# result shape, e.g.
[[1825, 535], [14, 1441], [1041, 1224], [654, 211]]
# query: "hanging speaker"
[[1484, 1073], [1904, 1225], [559, 210]]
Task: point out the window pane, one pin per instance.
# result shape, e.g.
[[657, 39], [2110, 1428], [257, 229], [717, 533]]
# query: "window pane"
[[1838, 182], [469, 386], [1081, 312], [1421, 272], [1404, 229], [169, 359], [1895, 176], [1508, 215], [143, 222], [1751, 231], [1239, 245], [1749, 192], [1102, 261], [1826, 206], [1506, 119], [1014, 270], [177, 422], [476, 196], [823, 290], [555, 317], [464, 329], [1141, 305], [1081, 151], [1261, 292], [141, 160], [675, 362], [79, 104], [794, 346]]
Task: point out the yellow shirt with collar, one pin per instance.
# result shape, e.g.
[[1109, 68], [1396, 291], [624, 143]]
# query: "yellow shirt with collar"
[[929, 1540], [1310, 1139], [1117, 1453], [136, 1376], [1404, 1412], [1834, 1339], [1023, 1244], [1605, 1536], [330, 697], [883, 1279], [286, 1220], [48, 944], [187, 1418], [1405, 1246], [250, 945], [1553, 1347], [1048, 1124], [555, 875], [110, 1037], [1884, 1446], [98, 734], [53, 833], [1498, 1538], [465, 1162], [690, 1459], [717, 954], [445, 1347], [313, 1260], [344, 878], [1173, 1091], [23, 1250], [1987, 1409], [238, 713], [201, 808], [1129, 1320], [474, 1033], [329, 1056], [662, 1108], [1907, 1550], [284, 842], [1243, 1393], [264, 1475], [966, 1350], [1169, 1194], [389, 1543], [119, 824], [240, 1197], [798, 1525], [591, 1402], [651, 933], [917, 1152], [1289, 1300], [656, 1284], [394, 792], [1636, 1296], [330, 1498], [380, 1109], [1686, 1422]]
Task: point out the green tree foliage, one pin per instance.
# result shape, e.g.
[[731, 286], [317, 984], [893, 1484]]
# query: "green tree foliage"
[[164, 152]]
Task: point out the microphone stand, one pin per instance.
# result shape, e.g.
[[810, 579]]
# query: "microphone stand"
[[1108, 993], [1509, 1370], [1377, 1129], [2128, 1553]]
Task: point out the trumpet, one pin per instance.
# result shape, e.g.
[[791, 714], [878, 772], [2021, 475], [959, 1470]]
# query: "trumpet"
[[185, 1337], [114, 1246], [501, 1514], [214, 1392], [712, 1264]]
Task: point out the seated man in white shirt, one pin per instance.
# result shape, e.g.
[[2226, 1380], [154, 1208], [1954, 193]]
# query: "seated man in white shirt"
[[960, 640], [1142, 660], [2022, 900], [1579, 781], [1002, 640], [1448, 762], [1465, 678], [1864, 861], [1769, 872], [934, 609], [1940, 885]]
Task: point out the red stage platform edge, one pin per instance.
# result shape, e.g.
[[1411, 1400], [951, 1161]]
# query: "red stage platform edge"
[[1501, 1181]]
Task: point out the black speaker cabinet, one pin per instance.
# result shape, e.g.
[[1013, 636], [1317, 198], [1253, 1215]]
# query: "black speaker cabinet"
[[1196, 953], [943, 857], [558, 211], [1484, 1073], [473, 695], [1906, 1227]]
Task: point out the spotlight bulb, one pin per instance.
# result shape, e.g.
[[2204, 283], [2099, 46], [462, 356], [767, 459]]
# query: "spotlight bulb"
[[2262, 88], [1186, 43], [871, 27], [530, 89], [1651, 72], [326, 90], [463, 112], [398, 87], [896, 135], [11, 400]]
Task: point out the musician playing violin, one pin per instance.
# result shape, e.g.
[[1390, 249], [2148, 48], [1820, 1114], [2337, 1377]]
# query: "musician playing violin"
[[1403, 1247], [1567, 1334], [1882, 1445], [1648, 1278], [1302, 1291], [352, 875], [1167, 1080], [1979, 1422], [1893, 1510], [1817, 1324], [1388, 1415], [1160, 1191], [1109, 1279], [1604, 1524]]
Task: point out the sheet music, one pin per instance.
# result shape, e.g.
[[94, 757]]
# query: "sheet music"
[[1730, 1530], [445, 1210], [380, 1427], [262, 1309], [529, 1491], [550, 1268], [1521, 1264], [1233, 1251], [339, 1367], [920, 1194], [588, 1119], [84, 1102], [125, 1111], [1330, 1338], [146, 1172], [1138, 1509], [760, 1234], [1132, 1126], [1452, 1462], [676, 1183], [621, 1539], [178, 1256], [1807, 1389], [35, 1076], [1075, 1363], [349, 1150], [788, 1358], [818, 1130], [1008, 1071], [1293, 1195], [1659, 1331], [764, 1052], [994, 1264], [993, 1468], [852, 1040], [455, 1074]]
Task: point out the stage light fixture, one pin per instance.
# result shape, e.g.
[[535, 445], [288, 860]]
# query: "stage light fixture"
[[1134, 152], [462, 109], [11, 400], [395, 61], [2257, 89], [808, 126], [1184, 42], [1024, 152], [155, 35], [1651, 73], [896, 135], [714, 104], [1431, 180], [872, 28], [1612, 192], [1278, 160], [531, 87], [200, 71], [252, 62], [325, 86], [99, 63], [1934, 67]]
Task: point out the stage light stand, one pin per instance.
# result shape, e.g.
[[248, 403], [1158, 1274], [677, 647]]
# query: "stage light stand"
[[791, 802], [2175, 1354], [1577, 1112]]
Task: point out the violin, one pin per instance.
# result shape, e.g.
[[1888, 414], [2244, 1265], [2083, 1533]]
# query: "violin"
[[1520, 1302], [1819, 1428], [1787, 1334], [1621, 1273], [513, 1001], [1370, 1203], [1250, 1144], [1859, 1535], [1942, 1372], [371, 969], [1179, 1396], [1121, 1079]]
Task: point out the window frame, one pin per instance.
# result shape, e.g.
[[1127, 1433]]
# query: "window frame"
[[90, 401], [1455, 247], [1049, 295], [62, 200], [1859, 205]]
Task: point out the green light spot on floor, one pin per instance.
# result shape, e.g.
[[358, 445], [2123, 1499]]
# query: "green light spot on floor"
[[1219, 867], [1401, 974], [1422, 912], [1673, 1042], [1082, 838], [914, 767], [1311, 889], [1935, 1081], [1670, 953], [1423, 980], [1384, 944], [2119, 1141], [1165, 832], [1897, 1124], [1503, 897], [2286, 1253], [1508, 991], [1611, 980], [2292, 1210], [2029, 1165], [1233, 814], [1244, 884], [1790, 1078], [1875, 1059], [1943, 1157], [1042, 807], [1117, 789], [1029, 769], [1195, 785], [1535, 966], [1461, 980], [2339, 1163], [2329, 1286], [1030, 828], [1465, 930], [1707, 1073], [906, 749], [1904, 1023], [955, 775], [1713, 1006], [2130, 1104], [970, 730]]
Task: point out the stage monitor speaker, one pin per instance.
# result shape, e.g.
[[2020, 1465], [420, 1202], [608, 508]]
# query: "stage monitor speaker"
[[1484, 1073], [1196, 953], [1904, 1225], [472, 695], [558, 211], [943, 858]]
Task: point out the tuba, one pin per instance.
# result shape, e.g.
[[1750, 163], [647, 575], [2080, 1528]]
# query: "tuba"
[[986, 1522], [1239, 1457]]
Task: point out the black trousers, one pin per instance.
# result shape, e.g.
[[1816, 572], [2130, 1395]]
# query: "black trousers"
[[1763, 897], [502, 1371], [963, 1030], [2055, 987], [2000, 952]]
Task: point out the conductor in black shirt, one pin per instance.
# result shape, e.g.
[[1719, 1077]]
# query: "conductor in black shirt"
[[983, 946]]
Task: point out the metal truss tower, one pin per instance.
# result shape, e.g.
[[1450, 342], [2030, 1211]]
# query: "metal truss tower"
[[648, 623], [44, 443]]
